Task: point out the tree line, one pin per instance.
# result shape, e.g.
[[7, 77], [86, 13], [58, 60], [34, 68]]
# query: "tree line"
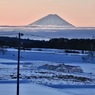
[[57, 43]]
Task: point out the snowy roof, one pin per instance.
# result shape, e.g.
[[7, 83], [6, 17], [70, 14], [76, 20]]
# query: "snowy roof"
[[51, 20]]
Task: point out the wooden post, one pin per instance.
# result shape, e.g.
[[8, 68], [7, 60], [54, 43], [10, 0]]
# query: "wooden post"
[[18, 65]]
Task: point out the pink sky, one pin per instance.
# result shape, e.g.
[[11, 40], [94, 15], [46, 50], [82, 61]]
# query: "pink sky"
[[23, 12]]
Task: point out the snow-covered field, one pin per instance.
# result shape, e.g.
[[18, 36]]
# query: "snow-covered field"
[[35, 89], [36, 79]]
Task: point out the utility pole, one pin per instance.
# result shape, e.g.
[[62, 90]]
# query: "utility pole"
[[18, 65], [92, 50]]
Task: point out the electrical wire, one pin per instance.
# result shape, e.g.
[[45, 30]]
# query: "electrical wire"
[[24, 34], [37, 36]]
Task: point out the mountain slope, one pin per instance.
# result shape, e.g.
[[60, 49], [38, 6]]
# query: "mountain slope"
[[51, 20]]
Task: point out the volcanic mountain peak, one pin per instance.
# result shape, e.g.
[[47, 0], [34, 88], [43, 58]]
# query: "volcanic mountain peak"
[[51, 20]]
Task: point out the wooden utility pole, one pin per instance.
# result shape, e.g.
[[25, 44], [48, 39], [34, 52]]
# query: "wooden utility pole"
[[92, 50], [18, 65]]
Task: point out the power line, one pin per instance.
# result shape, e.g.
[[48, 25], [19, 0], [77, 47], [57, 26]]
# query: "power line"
[[8, 34], [15, 34], [37, 36]]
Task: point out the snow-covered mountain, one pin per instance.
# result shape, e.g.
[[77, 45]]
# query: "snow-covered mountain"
[[51, 20], [48, 27]]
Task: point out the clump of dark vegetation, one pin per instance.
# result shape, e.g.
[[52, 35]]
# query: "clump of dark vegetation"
[[62, 68], [58, 43]]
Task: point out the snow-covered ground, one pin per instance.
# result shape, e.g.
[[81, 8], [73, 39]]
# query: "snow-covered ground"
[[29, 89], [31, 76], [35, 89]]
